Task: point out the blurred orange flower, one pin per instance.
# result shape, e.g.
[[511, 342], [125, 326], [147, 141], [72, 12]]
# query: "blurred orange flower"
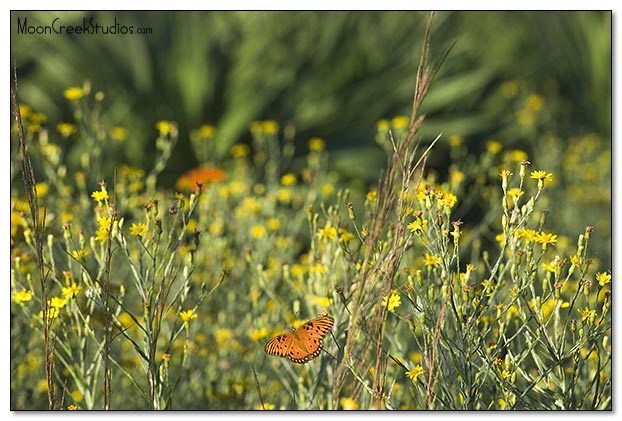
[[204, 175]]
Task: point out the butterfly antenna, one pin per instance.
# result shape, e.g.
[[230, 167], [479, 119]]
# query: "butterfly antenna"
[[258, 387]]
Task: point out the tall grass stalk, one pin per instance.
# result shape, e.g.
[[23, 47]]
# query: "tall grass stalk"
[[37, 215], [385, 244]]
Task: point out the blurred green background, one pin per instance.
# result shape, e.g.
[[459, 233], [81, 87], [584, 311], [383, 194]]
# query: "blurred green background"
[[535, 81]]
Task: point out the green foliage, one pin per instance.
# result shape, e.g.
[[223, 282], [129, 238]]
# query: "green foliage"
[[122, 287], [327, 74], [322, 71]]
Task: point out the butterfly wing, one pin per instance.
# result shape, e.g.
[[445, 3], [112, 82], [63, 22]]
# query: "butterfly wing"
[[279, 345], [303, 344], [308, 339]]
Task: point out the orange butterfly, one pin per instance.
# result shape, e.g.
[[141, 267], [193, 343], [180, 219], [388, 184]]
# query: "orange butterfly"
[[303, 344]]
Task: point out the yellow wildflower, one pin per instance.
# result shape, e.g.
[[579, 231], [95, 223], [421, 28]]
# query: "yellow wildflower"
[[288, 179], [138, 230], [100, 196], [550, 266], [240, 150], [414, 373], [71, 291], [516, 155], [273, 223], [586, 313], [346, 236], [284, 195], [447, 199], [382, 125], [41, 189], [545, 238], [118, 133], [318, 268], [222, 335], [541, 175], [316, 144], [188, 315], [73, 93], [270, 127], [348, 404], [456, 176], [431, 260], [493, 146], [455, 140], [257, 334], [78, 254], [22, 296], [534, 102], [258, 231], [57, 302], [327, 232], [603, 278], [53, 313], [207, 131], [164, 127], [392, 302], [66, 129], [102, 234], [400, 122], [25, 110], [505, 173], [327, 189]]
